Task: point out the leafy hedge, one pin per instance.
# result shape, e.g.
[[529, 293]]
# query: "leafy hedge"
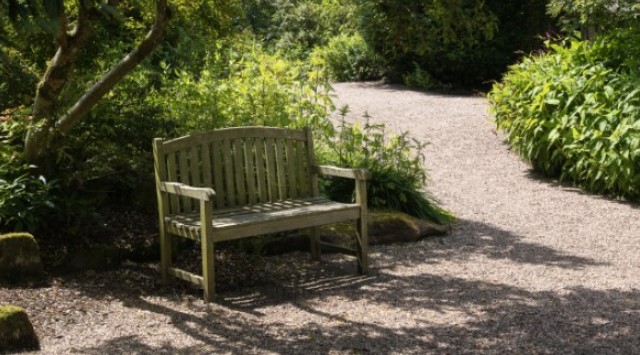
[[574, 112], [464, 43], [348, 58]]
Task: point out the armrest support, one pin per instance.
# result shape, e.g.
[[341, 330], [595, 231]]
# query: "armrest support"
[[356, 174], [200, 193]]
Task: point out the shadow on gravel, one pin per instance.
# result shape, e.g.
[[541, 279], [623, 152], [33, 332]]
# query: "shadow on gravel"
[[472, 238], [422, 313], [568, 187], [498, 317]]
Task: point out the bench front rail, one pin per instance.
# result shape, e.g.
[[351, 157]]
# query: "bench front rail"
[[240, 182]]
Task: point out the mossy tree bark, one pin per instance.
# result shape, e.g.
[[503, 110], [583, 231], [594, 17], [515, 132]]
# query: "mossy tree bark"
[[48, 124]]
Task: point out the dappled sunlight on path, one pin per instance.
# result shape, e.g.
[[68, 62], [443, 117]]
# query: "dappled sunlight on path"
[[333, 311]]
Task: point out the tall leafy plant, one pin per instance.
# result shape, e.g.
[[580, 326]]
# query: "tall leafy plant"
[[241, 84], [395, 162], [574, 112]]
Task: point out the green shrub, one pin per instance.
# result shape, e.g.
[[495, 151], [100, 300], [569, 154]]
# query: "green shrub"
[[574, 112], [26, 198], [25, 201], [594, 16], [243, 85], [349, 58], [296, 27], [17, 82], [395, 162], [422, 79], [464, 42], [405, 32]]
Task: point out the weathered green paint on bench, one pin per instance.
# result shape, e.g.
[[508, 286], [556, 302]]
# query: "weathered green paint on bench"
[[239, 182]]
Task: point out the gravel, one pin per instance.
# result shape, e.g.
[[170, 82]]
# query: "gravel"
[[532, 266]]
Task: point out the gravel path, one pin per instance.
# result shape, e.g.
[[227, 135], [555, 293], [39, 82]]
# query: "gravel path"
[[531, 267]]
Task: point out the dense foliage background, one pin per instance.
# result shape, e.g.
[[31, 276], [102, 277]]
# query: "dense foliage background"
[[221, 63], [238, 62]]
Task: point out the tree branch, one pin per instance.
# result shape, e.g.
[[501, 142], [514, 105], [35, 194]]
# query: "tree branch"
[[122, 68], [53, 81], [56, 74]]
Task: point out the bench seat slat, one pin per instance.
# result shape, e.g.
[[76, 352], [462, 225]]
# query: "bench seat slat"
[[264, 218]]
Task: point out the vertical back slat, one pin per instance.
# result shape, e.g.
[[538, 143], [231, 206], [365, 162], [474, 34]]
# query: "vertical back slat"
[[238, 160], [250, 171], [282, 183], [291, 169], [243, 167], [311, 161], [183, 176], [206, 165], [218, 174], [195, 164], [172, 173], [272, 183], [263, 194], [228, 173], [302, 170]]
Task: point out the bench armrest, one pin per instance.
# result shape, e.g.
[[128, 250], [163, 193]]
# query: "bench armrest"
[[356, 174], [200, 193]]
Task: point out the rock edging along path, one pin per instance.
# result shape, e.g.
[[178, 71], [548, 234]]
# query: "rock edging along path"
[[531, 267]]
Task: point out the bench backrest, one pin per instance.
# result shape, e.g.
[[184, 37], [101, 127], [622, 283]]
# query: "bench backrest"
[[244, 165]]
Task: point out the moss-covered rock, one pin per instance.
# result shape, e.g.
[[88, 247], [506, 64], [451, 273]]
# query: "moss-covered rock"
[[19, 258], [16, 331], [385, 228]]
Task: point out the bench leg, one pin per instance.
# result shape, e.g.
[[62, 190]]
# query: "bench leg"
[[208, 269], [165, 255], [362, 246], [314, 238]]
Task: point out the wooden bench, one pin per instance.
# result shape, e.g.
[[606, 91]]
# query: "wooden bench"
[[239, 182]]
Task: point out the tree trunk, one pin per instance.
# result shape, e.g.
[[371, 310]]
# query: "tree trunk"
[[49, 88], [40, 134], [46, 125]]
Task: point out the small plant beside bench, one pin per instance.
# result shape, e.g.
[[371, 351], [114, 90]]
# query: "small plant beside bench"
[[235, 183]]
